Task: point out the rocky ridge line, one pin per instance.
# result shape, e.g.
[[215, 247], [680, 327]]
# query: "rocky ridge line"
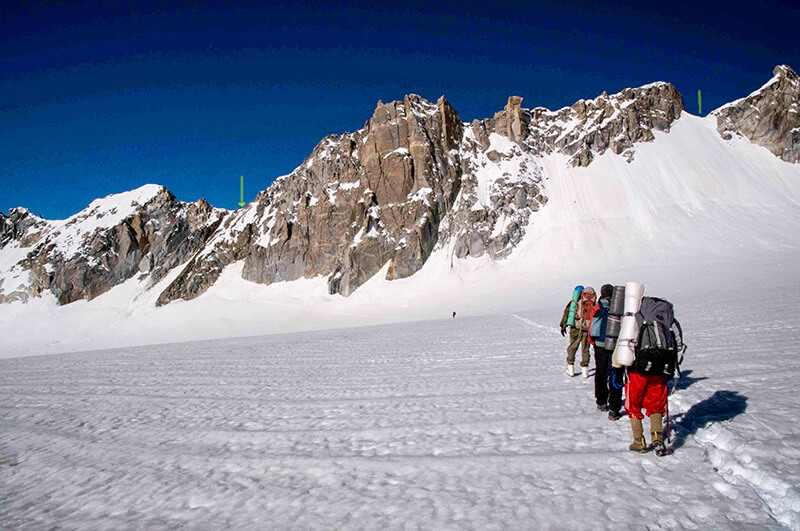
[[145, 232], [769, 117], [414, 179]]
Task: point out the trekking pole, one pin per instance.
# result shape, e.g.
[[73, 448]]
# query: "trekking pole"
[[668, 426]]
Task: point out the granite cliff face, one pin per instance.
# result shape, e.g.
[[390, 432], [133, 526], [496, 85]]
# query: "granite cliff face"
[[413, 180], [769, 117], [360, 201], [144, 232], [590, 127]]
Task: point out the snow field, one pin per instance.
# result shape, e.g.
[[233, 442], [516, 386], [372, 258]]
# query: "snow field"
[[690, 204], [453, 424]]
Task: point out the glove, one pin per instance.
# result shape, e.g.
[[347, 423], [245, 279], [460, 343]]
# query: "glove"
[[616, 378], [563, 332]]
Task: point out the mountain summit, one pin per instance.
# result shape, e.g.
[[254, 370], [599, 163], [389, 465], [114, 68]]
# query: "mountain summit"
[[415, 179]]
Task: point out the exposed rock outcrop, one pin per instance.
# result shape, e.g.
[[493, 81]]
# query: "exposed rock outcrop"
[[769, 117], [360, 201], [144, 232], [589, 127], [18, 222], [414, 179]]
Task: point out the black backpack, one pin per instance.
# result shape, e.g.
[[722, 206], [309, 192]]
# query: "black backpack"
[[659, 345]]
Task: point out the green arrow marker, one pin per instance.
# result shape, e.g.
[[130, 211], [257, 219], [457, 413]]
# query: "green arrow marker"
[[699, 103], [241, 192]]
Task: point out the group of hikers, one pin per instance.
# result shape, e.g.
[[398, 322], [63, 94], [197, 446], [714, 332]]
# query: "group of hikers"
[[655, 346]]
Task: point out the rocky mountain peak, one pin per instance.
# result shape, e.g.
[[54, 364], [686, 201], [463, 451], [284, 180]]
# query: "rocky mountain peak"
[[512, 122], [146, 231], [589, 127], [769, 117], [785, 76], [359, 201], [414, 179], [14, 226]]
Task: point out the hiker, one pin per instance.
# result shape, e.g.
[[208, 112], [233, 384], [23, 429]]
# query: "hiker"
[[659, 353], [648, 392], [579, 332], [607, 397]]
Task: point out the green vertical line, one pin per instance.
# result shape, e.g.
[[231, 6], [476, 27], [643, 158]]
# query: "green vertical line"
[[241, 191], [699, 103]]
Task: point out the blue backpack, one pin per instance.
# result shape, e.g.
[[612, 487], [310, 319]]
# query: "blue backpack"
[[599, 322]]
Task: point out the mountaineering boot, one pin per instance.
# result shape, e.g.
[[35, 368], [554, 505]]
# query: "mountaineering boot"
[[570, 370], [602, 407], [614, 415], [656, 434], [658, 444], [585, 372], [639, 444]]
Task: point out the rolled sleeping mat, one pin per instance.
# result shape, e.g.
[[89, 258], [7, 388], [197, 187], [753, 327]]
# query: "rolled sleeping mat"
[[613, 328], [634, 291], [625, 353], [617, 304], [616, 308], [614, 325], [629, 329], [573, 305]]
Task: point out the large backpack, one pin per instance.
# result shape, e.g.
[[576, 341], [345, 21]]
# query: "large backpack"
[[586, 304], [659, 345], [597, 327]]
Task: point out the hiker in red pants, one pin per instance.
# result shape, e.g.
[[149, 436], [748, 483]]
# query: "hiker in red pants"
[[648, 392]]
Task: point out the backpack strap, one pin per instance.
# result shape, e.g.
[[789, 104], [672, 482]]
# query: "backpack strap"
[[639, 335]]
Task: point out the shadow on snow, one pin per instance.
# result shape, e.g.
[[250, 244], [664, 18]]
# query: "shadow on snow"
[[685, 381], [719, 407]]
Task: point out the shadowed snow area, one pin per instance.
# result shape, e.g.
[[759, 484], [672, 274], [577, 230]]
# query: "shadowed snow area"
[[466, 423]]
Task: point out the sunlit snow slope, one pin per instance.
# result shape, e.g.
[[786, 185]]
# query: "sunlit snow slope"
[[689, 204], [688, 193], [466, 423]]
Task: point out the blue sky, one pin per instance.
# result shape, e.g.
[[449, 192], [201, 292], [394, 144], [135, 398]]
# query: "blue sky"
[[101, 99]]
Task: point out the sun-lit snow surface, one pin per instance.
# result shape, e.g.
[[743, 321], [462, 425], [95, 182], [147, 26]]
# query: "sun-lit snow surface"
[[457, 423], [466, 423], [688, 202]]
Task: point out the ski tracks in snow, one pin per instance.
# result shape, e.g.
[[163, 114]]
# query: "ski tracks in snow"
[[534, 324], [452, 424], [733, 459], [747, 424]]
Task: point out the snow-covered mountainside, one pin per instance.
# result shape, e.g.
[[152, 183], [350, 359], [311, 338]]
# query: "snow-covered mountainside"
[[143, 232], [625, 178], [416, 178]]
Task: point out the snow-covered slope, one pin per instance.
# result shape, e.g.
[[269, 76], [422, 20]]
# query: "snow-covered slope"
[[143, 232], [466, 423], [499, 215], [687, 205], [687, 193]]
